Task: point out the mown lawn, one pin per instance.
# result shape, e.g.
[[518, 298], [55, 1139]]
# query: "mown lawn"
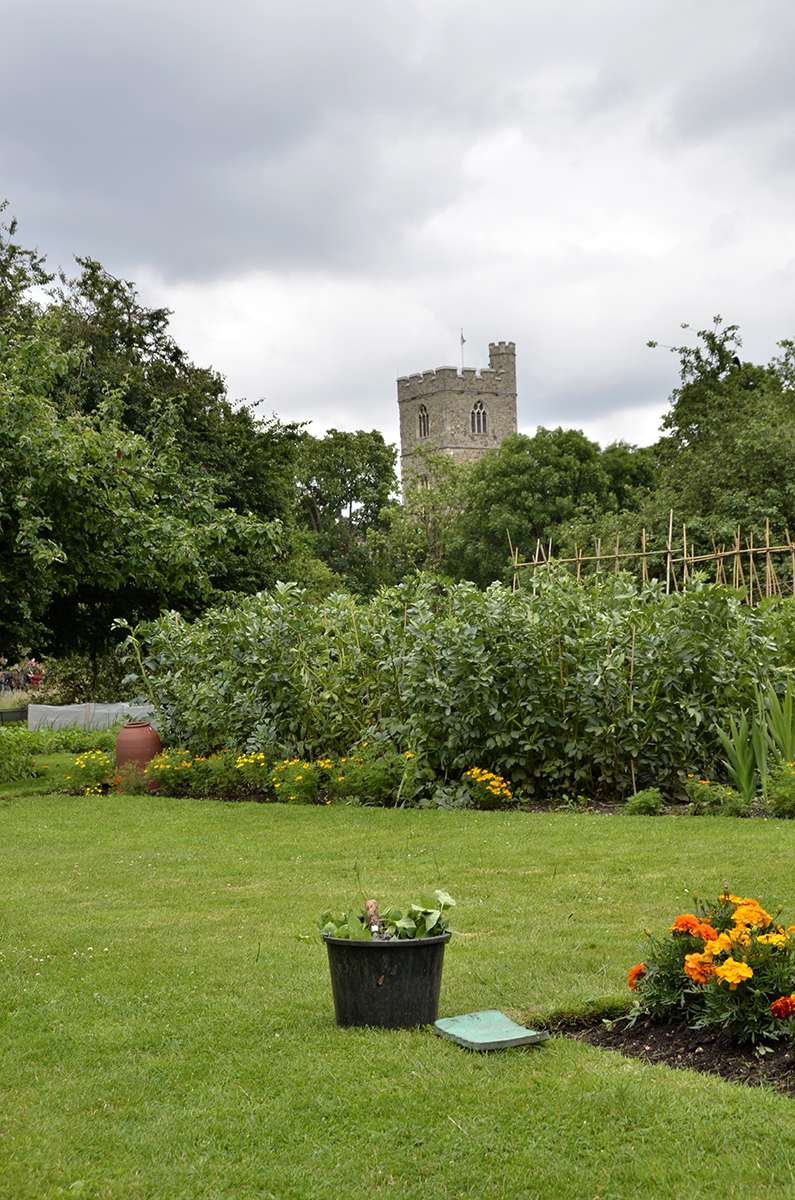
[[166, 1034]]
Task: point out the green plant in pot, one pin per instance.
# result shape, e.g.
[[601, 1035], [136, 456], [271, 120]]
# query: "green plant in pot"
[[386, 969]]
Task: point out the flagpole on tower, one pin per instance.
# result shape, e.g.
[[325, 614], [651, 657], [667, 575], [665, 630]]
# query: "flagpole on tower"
[[463, 339]]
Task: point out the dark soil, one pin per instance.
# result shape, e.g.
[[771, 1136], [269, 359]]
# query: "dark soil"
[[712, 1051]]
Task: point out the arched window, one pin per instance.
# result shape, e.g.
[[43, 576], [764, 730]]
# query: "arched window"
[[423, 422], [478, 417]]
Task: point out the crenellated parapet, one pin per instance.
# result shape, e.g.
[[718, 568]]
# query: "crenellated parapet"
[[461, 412]]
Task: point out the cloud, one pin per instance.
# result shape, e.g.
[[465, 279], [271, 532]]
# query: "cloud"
[[325, 193]]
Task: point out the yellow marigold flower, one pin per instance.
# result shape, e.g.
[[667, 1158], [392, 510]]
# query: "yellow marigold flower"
[[718, 945], [733, 972], [751, 914], [773, 939]]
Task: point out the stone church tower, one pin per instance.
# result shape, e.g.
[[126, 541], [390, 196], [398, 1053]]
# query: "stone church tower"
[[463, 413]]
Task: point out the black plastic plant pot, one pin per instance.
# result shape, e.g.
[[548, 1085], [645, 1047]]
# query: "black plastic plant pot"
[[391, 985]]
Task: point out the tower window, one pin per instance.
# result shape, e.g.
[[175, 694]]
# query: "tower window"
[[423, 422], [478, 417]]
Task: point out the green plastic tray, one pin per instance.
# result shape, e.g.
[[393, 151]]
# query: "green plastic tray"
[[489, 1030]]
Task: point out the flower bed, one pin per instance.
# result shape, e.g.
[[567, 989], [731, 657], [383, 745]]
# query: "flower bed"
[[728, 965], [372, 773]]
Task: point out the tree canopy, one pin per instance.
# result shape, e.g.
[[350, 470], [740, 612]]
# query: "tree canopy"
[[728, 451], [97, 521]]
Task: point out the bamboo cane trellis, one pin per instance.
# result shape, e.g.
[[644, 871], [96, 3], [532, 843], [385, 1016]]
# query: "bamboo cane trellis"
[[742, 560]]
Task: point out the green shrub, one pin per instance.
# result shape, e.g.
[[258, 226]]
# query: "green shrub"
[[70, 740], [19, 747], [93, 772], [129, 780], [488, 790], [714, 799], [647, 803], [375, 773], [16, 759], [180, 773], [560, 689], [781, 790], [298, 782], [722, 964], [254, 770]]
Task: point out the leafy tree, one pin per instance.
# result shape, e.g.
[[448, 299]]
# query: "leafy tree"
[[417, 534], [728, 456], [524, 490], [20, 270], [96, 520], [128, 348], [345, 481], [632, 472]]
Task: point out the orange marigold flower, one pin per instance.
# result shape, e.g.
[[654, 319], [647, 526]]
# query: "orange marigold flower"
[[698, 967], [707, 932], [635, 975], [687, 923], [783, 1007]]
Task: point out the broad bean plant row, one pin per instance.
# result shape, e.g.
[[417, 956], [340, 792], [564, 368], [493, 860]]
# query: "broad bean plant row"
[[597, 688]]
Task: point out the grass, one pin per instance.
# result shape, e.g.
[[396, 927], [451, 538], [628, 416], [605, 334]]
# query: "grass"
[[165, 1034]]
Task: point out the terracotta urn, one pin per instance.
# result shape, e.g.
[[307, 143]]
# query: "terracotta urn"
[[137, 743]]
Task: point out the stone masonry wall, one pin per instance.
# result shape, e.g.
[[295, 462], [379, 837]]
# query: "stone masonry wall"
[[449, 395]]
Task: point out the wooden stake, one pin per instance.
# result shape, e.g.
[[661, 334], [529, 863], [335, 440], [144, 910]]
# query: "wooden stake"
[[684, 558], [514, 558], [645, 567], [751, 569], [668, 555], [618, 539], [717, 560], [371, 909]]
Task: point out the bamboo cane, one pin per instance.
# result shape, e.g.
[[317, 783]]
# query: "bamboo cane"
[[750, 546]]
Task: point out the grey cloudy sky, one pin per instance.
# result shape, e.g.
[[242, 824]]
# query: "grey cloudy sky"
[[326, 191]]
